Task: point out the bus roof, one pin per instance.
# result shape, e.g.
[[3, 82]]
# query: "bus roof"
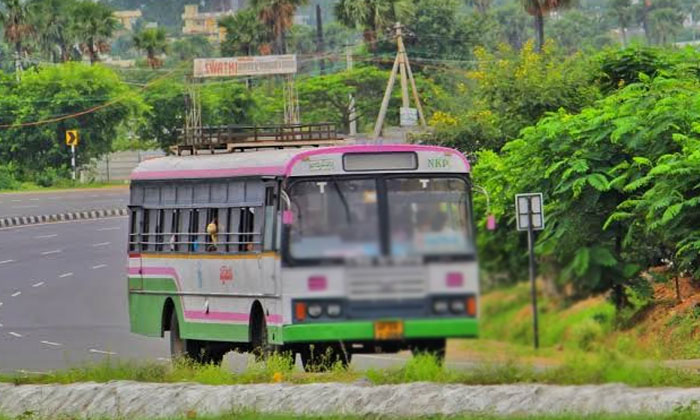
[[294, 162]]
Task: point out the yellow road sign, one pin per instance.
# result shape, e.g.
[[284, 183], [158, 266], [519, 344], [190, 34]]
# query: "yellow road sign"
[[72, 137]]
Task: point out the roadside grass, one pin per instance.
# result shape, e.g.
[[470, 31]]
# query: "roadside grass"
[[682, 414], [592, 369]]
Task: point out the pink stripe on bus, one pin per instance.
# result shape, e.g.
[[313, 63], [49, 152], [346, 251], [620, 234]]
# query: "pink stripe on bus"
[[209, 173], [217, 315], [372, 149]]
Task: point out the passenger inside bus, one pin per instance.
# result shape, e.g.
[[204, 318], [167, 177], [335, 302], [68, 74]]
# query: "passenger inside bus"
[[212, 231]]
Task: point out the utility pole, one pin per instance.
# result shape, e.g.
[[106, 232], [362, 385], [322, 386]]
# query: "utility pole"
[[353, 116], [319, 39], [401, 62]]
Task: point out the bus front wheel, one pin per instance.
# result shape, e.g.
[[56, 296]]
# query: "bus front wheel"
[[434, 347]]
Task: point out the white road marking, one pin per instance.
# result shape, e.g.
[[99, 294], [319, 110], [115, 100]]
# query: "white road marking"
[[14, 334], [64, 275], [6, 261], [33, 199], [164, 359], [0, 303], [46, 236], [26, 207], [109, 228], [101, 244], [111, 353], [16, 201], [15, 294], [1, 325], [51, 343], [95, 267], [41, 283], [55, 251]]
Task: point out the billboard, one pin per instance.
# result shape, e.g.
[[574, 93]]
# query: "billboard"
[[245, 66]]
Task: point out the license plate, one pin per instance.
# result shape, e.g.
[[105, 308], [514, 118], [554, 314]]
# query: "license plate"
[[388, 330]]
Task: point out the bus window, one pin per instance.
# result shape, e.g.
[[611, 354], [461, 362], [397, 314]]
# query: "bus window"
[[134, 229], [246, 226], [193, 225], [145, 237], [159, 223], [428, 216], [174, 229], [268, 237], [337, 218], [212, 230]]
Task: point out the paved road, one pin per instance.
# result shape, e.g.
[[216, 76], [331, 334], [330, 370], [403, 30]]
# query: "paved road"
[[63, 295], [51, 202]]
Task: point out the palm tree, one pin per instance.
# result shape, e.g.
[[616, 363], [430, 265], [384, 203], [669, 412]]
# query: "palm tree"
[[278, 16], [245, 34], [94, 24], [372, 16], [538, 9], [152, 40], [53, 20], [15, 20], [664, 24]]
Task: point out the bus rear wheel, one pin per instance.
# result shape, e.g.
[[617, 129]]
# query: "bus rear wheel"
[[195, 350], [322, 357]]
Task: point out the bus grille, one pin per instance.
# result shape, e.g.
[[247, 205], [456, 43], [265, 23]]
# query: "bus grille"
[[371, 283]]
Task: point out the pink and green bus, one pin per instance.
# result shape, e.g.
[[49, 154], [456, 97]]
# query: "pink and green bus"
[[317, 251]]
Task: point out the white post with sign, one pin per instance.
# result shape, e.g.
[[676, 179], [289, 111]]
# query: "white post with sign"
[[530, 217], [72, 139]]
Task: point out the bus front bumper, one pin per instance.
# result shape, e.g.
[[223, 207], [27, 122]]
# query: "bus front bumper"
[[364, 330]]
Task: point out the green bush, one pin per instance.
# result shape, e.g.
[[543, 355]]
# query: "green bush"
[[7, 179], [586, 333]]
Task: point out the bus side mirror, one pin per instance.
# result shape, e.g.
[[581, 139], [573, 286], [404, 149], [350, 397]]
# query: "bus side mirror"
[[491, 222], [287, 217]]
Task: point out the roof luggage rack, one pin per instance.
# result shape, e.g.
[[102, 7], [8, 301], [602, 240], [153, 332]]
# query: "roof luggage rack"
[[240, 138]]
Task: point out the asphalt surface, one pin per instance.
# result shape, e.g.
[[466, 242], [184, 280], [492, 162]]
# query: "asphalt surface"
[[63, 294], [52, 202]]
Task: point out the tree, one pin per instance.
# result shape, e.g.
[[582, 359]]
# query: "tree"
[[17, 28], [278, 16], [622, 10], [94, 25], [192, 47], [245, 34], [481, 6], [664, 24], [538, 9], [52, 20], [371, 16], [63, 90], [153, 42]]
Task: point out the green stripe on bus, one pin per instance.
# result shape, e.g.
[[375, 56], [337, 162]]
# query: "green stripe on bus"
[[145, 312], [364, 330]]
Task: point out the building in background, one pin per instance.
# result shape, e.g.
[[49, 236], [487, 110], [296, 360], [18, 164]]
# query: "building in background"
[[195, 22], [127, 18]]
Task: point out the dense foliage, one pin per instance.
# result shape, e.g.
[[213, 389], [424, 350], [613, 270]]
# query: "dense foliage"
[[619, 179]]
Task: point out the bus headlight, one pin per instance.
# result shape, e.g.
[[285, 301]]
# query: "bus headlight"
[[334, 310], [315, 310], [440, 306], [458, 306]]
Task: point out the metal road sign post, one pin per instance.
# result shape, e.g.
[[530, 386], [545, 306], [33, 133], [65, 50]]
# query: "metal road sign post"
[[72, 139], [530, 217]]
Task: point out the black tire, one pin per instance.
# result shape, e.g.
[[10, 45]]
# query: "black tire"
[[259, 344], [322, 357], [194, 350], [435, 347]]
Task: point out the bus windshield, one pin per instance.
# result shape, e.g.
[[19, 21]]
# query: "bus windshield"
[[429, 216], [334, 218], [340, 218]]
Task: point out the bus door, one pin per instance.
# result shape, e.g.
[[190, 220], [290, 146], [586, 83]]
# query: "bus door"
[[270, 267]]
